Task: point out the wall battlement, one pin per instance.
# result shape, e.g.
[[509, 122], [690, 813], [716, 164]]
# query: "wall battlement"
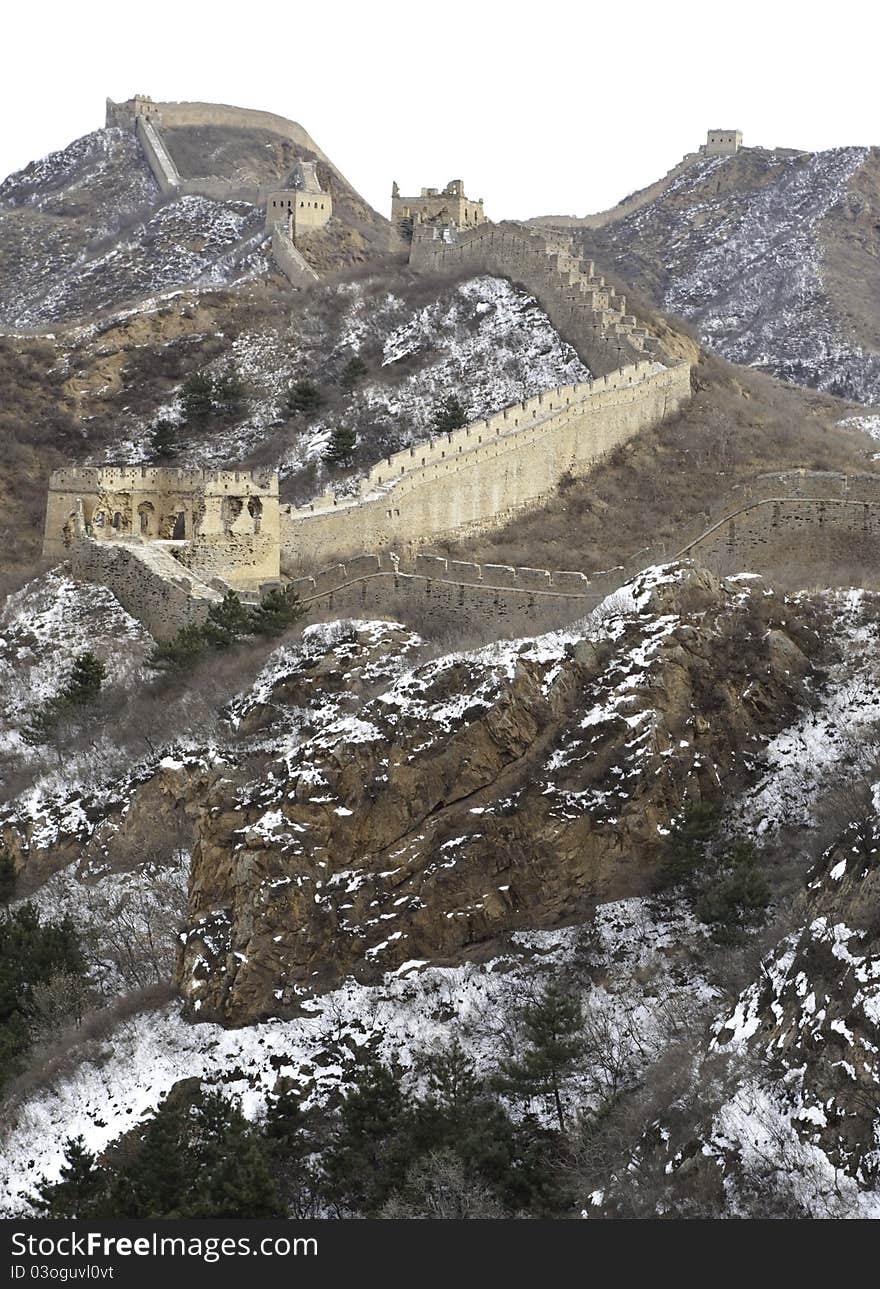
[[585, 309], [491, 599], [475, 478]]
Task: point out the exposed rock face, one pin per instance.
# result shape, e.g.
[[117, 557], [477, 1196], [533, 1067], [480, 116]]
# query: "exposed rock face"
[[815, 1010], [486, 792]]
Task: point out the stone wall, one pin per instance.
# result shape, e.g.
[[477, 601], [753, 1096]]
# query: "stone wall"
[[290, 260], [580, 304], [476, 478], [181, 115], [795, 534], [491, 600], [159, 159], [146, 580]]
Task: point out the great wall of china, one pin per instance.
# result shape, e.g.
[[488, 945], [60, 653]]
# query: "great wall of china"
[[366, 551]]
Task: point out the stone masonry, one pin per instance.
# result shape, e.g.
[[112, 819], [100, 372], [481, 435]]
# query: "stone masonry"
[[220, 524], [432, 206]]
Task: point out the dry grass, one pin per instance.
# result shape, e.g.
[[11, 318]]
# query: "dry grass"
[[654, 490]]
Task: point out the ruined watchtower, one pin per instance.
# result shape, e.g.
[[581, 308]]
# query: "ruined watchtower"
[[221, 523], [432, 206]]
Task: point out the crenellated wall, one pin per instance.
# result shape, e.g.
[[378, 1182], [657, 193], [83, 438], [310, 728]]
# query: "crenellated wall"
[[580, 304], [490, 599], [477, 477]]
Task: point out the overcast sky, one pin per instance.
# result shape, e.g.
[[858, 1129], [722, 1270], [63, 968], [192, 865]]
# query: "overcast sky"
[[557, 108]]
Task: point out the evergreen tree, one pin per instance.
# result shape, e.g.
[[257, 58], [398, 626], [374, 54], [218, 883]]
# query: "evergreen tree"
[[81, 687], [291, 1143], [197, 397], [226, 622], [738, 894], [278, 611], [7, 874], [163, 439], [31, 954], [180, 652], [552, 1028], [229, 390], [85, 681], [231, 1164], [352, 373], [690, 839], [340, 449], [450, 415], [304, 398], [371, 1151], [81, 1190], [196, 1157]]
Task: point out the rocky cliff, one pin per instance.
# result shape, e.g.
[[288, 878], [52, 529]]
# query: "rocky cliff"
[[483, 793]]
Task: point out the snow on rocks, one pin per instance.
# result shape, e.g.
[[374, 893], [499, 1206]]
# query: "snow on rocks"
[[115, 1085]]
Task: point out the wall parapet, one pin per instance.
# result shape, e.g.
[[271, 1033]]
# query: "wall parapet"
[[290, 260], [476, 478], [147, 581], [583, 307], [541, 409], [529, 581]]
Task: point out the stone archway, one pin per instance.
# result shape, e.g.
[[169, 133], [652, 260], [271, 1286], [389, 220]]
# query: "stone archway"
[[146, 519], [231, 508], [255, 510]]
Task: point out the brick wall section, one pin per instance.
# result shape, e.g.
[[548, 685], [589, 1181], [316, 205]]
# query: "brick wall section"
[[146, 580], [585, 310], [295, 268], [475, 478], [794, 532], [435, 591]]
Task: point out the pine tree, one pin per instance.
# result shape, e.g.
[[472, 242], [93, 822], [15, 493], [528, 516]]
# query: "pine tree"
[[197, 397], [163, 439], [340, 449], [180, 652], [86, 679], [232, 1164], [690, 839], [81, 687], [81, 1190], [229, 390], [371, 1151], [304, 398], [32, 952], [226, 622], [552, 1028], [7, 875], [278, 611], [737, 895], [450, 415], [452, 1078], [352, 373]]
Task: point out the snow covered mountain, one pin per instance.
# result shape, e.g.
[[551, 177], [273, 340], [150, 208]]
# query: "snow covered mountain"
[[86, 229], [774, 255]]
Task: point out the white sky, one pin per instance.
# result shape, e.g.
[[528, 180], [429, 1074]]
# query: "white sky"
[[542, 108]]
